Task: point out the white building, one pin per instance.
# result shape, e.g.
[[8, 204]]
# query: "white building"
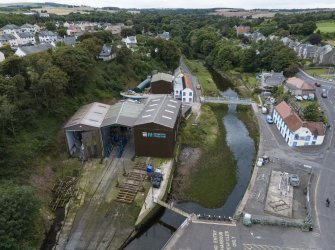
[[130, 41], [28, 28], [25, 38], [8, 40], [178, 87], [295, 131], [2, 57], [187, 93], [10, 29], [47, 37], [28, 50]]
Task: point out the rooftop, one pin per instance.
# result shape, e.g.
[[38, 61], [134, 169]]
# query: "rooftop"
[[25, 35], [161, 77], [297, 83], [293, 122], [317, 128], [35, 48], [123, 113], [47, 33], [91, 115], [283, 109], [188, 81], [163, 110], [9, 27]]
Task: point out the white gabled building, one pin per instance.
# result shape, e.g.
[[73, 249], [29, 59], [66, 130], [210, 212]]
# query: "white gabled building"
[[28, 28], [47, 37], [295, 131], [10, 29], [25, 38], [187, 93], [178, 87], [28, 50], [2, 57], [130, 41], [8, 40]]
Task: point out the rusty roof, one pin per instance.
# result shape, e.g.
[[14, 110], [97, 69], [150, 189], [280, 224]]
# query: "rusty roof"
[[188, 81], [297, 83], [316, 128], [293, 122], [283, 109]]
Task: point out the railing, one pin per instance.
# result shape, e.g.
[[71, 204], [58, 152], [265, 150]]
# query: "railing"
[[226, 100]]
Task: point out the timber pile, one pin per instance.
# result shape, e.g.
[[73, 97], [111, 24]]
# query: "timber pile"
[[63, 191], [133, 184]]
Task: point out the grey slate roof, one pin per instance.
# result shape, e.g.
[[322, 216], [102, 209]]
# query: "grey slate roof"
[[274, 79], [47, 33], [123, 113], [163, 110], [9, 27], [25, 35], [105, 51], [161, 76], [69, 40], [91, 115], [6, 37], [28, 50], [27, 25]]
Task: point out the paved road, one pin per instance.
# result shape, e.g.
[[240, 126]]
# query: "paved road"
[[325, 186]]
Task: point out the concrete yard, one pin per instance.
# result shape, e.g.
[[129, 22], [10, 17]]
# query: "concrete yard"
[[279, 199]]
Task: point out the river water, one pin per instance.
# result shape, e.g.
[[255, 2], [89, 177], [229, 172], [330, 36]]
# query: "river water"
[[156, 234]]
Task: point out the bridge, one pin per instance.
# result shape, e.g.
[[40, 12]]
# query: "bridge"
[[172, 208], [226, 100]]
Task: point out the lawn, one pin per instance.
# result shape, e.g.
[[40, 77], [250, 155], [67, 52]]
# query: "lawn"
[[214, 177], [326, 27], [320, 72], [205, 79]]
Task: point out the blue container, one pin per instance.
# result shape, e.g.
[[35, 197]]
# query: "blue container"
[[150, 168]]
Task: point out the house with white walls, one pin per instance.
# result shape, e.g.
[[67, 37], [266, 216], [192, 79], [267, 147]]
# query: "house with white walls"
[[9, 29], [294, 130], [25, 38], [28, 28], [130, 41], [47, 37], [8, 40], [178, 87], [187, 93], [28, 50]]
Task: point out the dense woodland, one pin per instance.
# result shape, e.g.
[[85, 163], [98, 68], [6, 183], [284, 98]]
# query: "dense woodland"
[[39, 92]]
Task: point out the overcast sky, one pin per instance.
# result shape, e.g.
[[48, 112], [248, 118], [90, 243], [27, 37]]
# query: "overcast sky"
[[247, 4]]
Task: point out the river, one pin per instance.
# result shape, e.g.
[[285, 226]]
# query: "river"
[[156, 234]]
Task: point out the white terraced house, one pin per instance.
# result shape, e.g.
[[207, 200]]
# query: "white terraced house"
[[47, 37], [25, 38], [295, 131]]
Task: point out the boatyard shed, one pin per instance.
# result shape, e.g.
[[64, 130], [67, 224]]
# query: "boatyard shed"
[[161, 83], [83, 130], [156, 129]]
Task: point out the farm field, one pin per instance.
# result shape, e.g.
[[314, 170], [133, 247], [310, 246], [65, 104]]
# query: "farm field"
[[63, 10], [326, 26]]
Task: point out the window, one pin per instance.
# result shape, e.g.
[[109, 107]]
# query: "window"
[[315, 137], [176, 92], [190, 99], [296, 137], [308, 138], [313, 142], [184, 99], [190, 94], [184, 94]]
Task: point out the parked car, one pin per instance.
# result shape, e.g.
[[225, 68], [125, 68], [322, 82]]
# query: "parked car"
[[269, 119], [198, 86], [324, 94], [317, 84], [295, 180]]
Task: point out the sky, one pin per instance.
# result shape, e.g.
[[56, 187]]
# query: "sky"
[[246, 4]]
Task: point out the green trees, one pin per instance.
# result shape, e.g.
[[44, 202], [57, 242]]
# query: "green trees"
[[312, 113], [202, 41], [165, 51], [19, 212]]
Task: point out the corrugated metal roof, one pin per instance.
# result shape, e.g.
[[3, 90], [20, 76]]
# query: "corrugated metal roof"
[[89, 115], [123, 113], [163, 110], [161, 76]]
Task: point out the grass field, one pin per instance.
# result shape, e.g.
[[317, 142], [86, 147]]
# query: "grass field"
[[214, 177], [63, 10], [326, 26], [208, 86], [320, 72]]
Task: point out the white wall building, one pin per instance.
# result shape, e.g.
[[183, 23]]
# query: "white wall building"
[[8, 40], [10, 29], [295, 131], [47, 37], [178, 87], [28, 28], [187, 93], [130, 41], [25, 38]]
